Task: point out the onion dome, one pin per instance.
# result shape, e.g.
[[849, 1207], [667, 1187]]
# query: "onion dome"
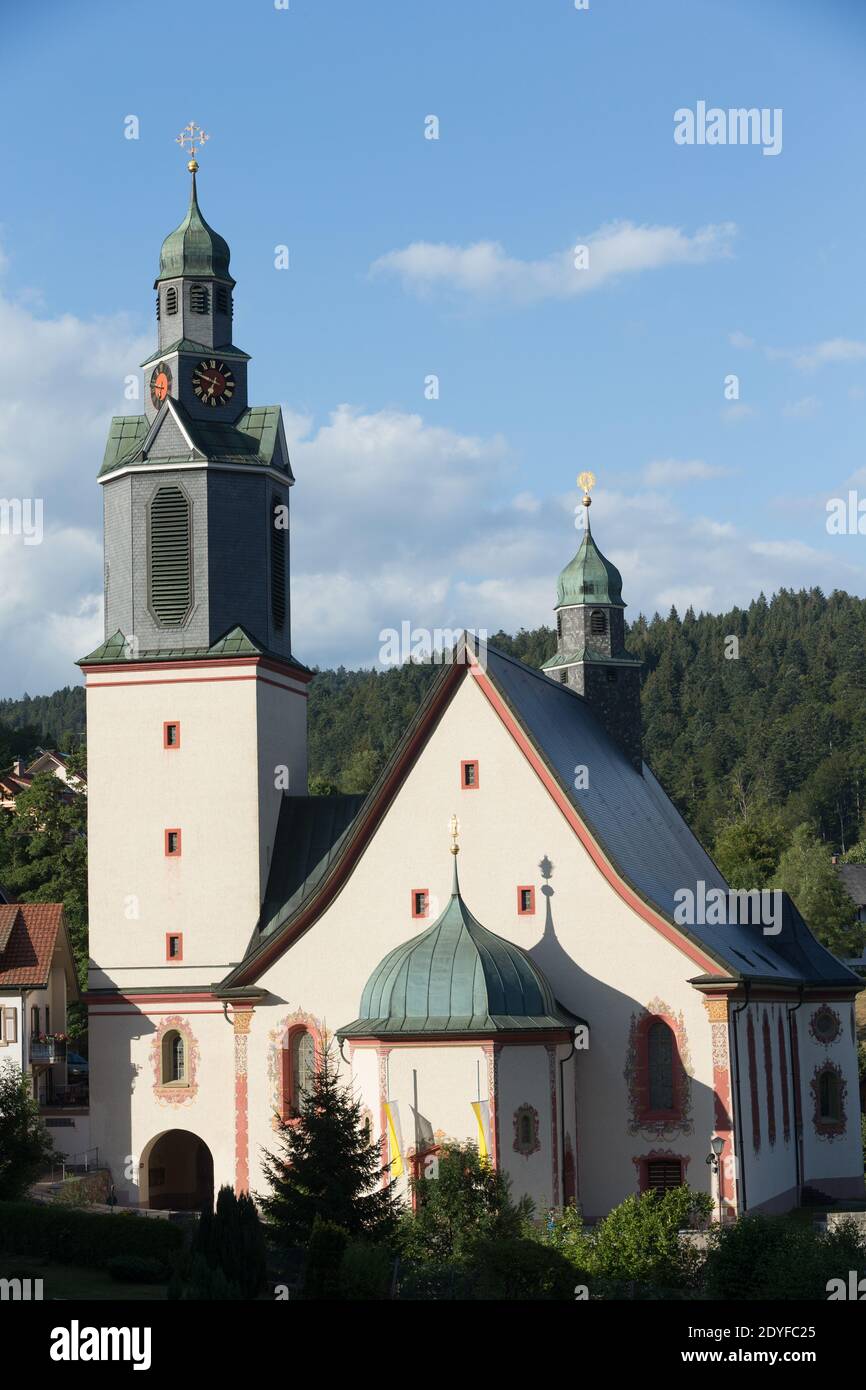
[[194, 249]]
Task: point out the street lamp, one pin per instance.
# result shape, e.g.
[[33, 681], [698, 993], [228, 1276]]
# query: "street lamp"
[[717, 1143]]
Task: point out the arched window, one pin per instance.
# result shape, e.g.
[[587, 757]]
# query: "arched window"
[[299, 1070], [170, 568], [199, 299], [829, 1096], [598, 623], [173, 1059], [171, 300], [660, 1065]]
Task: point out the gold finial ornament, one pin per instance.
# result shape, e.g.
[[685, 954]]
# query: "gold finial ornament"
[[191, 139], [586, 481], [454, 828]]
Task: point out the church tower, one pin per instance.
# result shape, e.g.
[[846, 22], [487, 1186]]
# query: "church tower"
[[196, 708], [591, 656]]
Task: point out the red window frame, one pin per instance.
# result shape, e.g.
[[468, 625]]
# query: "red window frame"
[[416, 893], [287, 1079], [647, 1115], [173, 936], [173, 853], [470, 786], [171, 724], [521, 910]]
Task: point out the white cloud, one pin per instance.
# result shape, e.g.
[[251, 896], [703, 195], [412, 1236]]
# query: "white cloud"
[[485, 270], [663, 472], [735, 413], [740, 340], [804, 409], [821, 354]]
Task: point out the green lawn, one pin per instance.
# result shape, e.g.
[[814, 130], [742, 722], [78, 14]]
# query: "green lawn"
[[72, 1281]]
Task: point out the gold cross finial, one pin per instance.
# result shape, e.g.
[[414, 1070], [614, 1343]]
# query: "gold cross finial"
[[454, 827], [192, 137], [586, 481]]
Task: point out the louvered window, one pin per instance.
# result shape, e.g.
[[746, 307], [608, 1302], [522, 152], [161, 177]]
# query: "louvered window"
[[157, 308], [199, 299], [222, 299], [170, 557], [662, 1175], [171, 300], [598, 623], [278, 562]]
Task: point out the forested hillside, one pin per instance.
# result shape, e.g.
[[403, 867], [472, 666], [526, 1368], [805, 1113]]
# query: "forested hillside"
[[779, 725]]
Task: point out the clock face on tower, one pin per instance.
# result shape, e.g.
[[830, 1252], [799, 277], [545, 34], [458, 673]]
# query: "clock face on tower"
[[160, 383], [213, 382]]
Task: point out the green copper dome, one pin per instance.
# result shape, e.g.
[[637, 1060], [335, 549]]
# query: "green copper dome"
[[589, 577], [456, 977], [194, 249]]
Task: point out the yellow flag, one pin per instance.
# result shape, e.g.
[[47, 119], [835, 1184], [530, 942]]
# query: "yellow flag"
[[395, 1155], [482, 1115]]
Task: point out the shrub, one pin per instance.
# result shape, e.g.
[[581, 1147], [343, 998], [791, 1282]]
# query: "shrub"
[[232, 1239], [205, 1283], [137, 1269], [468, 1201], [25, 1144], [324, 1258], [521, 1269], [431, 1282], [780, 1257], [366, 1271], [637, 1248], [83, 1238]]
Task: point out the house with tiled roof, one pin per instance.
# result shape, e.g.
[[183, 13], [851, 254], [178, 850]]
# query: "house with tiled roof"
[[586, 1000], [37, 982], [19, 777]]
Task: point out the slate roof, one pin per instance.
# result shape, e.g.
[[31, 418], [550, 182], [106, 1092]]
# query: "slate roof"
[[236, 642], [252, 439], [629, 815], [202, 349], [310, 831], [456, 977], [28, 937], [853, 878]]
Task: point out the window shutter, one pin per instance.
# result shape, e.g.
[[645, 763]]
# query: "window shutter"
[[170, 570], [278, 566]]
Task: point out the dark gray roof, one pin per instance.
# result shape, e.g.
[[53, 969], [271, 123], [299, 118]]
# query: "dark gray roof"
[[643, 833], [629, 814], [310, 831], [853, 878]]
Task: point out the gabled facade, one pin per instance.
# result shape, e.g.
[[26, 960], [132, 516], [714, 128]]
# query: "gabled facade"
[[37, 982], [554, 1009]]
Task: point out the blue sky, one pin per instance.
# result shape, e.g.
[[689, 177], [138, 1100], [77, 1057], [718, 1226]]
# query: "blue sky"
[[411, 257]]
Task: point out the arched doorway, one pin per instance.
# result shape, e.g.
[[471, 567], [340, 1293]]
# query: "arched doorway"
[[176, 1172]]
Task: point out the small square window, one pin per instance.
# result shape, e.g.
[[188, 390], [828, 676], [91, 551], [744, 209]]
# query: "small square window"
[[469, 775], [172, 843], [174, 946], [171, 735], [525, 901], [420, 902]]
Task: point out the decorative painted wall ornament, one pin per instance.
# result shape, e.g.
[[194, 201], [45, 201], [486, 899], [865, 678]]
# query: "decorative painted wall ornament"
[[526, 1135], [650, 1114], [829, 1093], [173, 1093], [278, 1039], [825, 1025]]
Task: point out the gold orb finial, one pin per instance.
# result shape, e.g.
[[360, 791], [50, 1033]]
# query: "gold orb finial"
[[454, 828], [586, 481], [191, 139]]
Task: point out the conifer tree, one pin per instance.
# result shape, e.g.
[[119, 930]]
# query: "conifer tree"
[[328, 1168]]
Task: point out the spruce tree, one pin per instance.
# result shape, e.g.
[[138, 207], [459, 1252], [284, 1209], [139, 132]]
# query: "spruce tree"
[[327, 1168]]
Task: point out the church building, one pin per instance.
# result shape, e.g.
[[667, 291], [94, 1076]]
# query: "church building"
[[539, 993]]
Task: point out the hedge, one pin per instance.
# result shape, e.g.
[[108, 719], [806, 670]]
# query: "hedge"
[[73, 1237]]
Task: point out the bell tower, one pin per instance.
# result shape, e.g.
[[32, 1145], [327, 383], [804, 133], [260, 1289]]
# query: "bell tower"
[[591, 656], [196, 706]]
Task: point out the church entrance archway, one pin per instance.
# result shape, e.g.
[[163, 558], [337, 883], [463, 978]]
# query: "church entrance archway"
[[176, 1172]]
